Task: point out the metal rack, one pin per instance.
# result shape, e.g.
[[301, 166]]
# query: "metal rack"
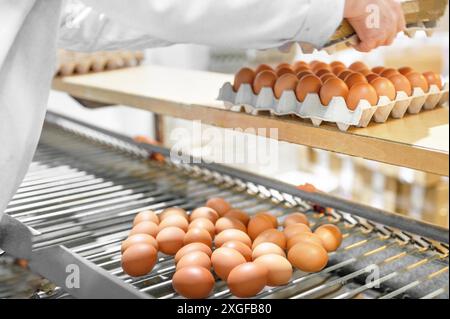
[[86, 184]]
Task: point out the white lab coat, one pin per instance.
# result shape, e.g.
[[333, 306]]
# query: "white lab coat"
[[30, 28]]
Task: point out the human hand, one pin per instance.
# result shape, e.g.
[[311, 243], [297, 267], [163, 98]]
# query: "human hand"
[[376, 22]]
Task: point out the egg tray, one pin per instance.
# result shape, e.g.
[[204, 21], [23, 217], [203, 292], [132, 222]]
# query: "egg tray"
[[337, 111]]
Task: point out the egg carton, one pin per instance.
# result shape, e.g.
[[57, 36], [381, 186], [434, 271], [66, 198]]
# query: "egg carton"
[[336, 112]]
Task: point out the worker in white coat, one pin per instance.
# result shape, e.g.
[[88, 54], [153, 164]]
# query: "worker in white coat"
[[31, 30]]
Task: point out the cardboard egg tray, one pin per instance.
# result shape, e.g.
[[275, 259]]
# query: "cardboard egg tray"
[[337, 111]]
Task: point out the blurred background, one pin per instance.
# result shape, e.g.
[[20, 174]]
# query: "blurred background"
[[417, 194]]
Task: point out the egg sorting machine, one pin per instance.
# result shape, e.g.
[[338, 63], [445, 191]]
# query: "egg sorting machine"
[[86, 184]]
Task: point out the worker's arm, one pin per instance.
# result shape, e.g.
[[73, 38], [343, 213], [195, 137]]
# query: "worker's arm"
[[256, 24]]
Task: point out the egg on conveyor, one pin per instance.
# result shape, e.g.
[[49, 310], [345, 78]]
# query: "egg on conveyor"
[[205, 212], [238, 214], [271, 236], [295, 218], [308, 257], [145, 227], [148, 216], [194, 258], [139, 239], [361, 91], [267, 249], [197, 235], [247, 280], [230, 235], [304, 237], [193, 282], [224, 260], [220, 205], [279, 269], [170, 240], [240, 247], [174, 221], [258, 224], [292, 230], [205, 224], [244, 76], [225, 223], [265, 79], [172, 211], [192, 248], [139, 259], [309, 84], [330, 235]]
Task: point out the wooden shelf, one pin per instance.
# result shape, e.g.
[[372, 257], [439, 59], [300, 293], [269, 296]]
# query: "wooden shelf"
[[418, 141]]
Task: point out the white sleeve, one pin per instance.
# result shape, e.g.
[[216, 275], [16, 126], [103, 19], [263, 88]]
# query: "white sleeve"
[[84, 29], [255, 24]]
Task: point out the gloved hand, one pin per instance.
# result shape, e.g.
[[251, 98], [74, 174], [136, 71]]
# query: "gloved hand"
[[377, 22]]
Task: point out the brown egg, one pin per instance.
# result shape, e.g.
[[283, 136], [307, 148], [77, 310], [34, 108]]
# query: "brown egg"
[[257, 225], [174, 221], [358, 66], [319, 66], [139, 259], [283, 71], [287, 82], [337, 64], [240, 247], [384, 87], [283, 66], [417, 80], [361, 91], [198, 235], [139, 239], [224, 260], [337, 70], [309, 84], [433, 79], [267, 249], [193, 282], [304, 237], [326, 77], [271, 236], [401, 83], [220, 205], [302, 74], [321, 72], [405, 70], [263, 67], [378, 69], [280, 270], [303, 69], [355, 78], [333, 88], [344, 74], [205, 212], [247, 280], [172, 211], [313, 63], [265, 79], [149, 228], [194, 258], [192, 248], [230, 235], [244, 76], [308, 257], [300, 64], [330, 235], [170, 240], [365, 72], [372, 76], [238, 214], [146, 216], [205, 224], [224, 223], [389, 72], [271, 217], [292, 230], [295, 218]]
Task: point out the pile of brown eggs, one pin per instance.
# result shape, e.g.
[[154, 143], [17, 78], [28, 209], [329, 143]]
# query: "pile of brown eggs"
[[354, 83], [247, 252]]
